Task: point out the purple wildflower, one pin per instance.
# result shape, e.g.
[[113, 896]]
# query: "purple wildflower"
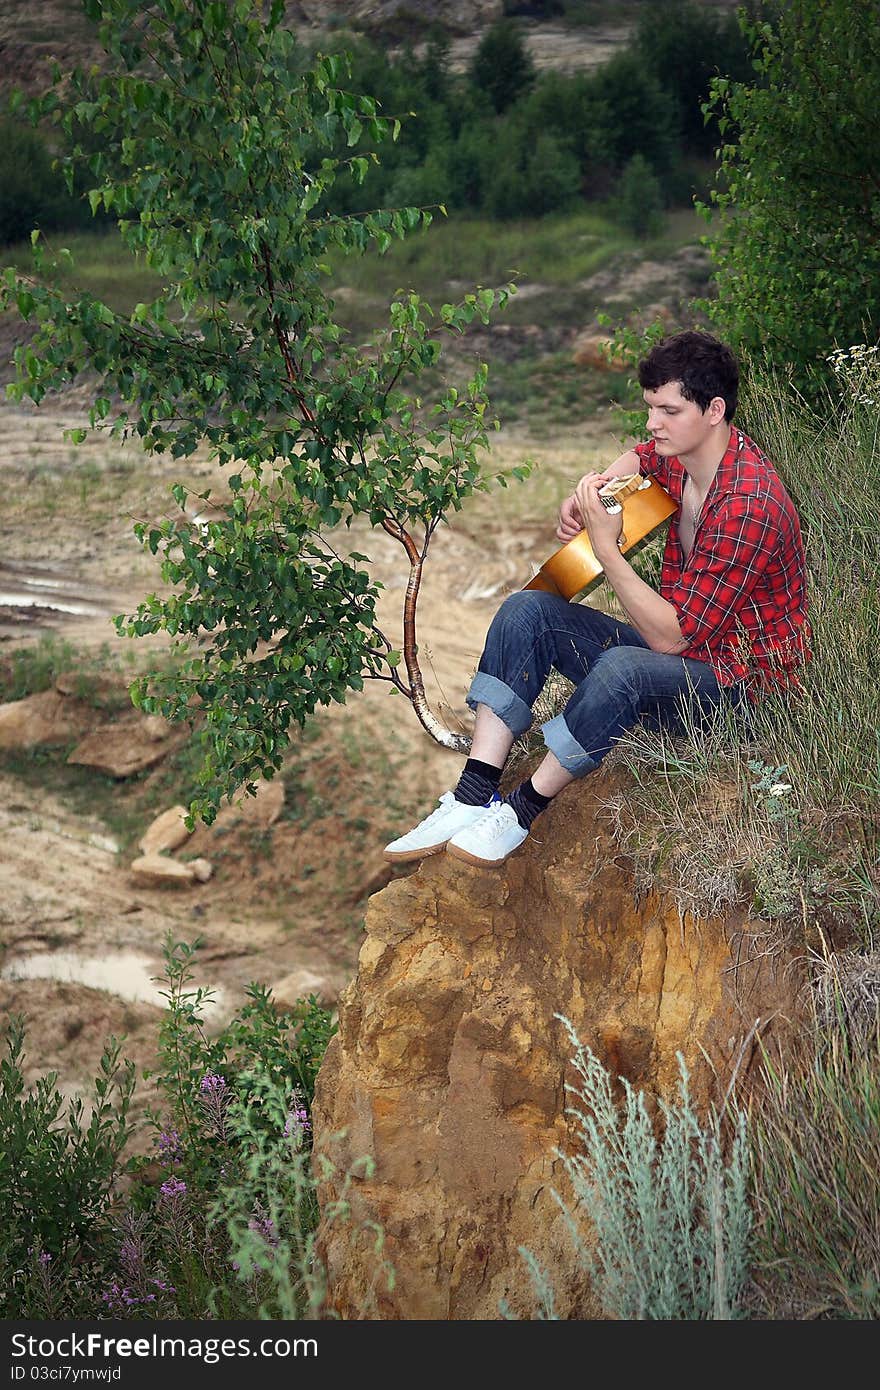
[[297, 1124], [215, 1097], [119, 1297], [131, 1254], [169, 1146], [265, 1227], [212, 1084], [173, 1188]]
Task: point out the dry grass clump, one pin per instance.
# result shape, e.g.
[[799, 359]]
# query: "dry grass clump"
[[847, 994], [671, 1217], [712, 818]]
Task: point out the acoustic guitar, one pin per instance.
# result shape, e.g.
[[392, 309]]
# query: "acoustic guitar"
[[574, 570]]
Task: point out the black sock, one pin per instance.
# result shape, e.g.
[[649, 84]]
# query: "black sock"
[[527, 803], [477, 783]]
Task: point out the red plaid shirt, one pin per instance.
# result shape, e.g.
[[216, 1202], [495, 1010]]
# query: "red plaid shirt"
[[740, 595]]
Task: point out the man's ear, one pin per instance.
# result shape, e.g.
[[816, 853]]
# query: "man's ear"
[[717, 409]]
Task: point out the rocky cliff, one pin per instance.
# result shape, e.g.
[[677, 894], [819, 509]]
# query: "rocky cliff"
[[449, 1067], [458, 16]]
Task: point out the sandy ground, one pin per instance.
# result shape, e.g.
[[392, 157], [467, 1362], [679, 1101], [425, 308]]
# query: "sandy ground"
[[284, 900]]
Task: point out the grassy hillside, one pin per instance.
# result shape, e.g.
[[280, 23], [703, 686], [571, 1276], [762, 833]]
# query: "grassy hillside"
[[568, 270]]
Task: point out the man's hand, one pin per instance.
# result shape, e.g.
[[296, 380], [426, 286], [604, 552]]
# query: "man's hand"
[[603, 528], [571, 520]]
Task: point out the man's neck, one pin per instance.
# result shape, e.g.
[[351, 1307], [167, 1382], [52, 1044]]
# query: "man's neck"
[[702, 464]]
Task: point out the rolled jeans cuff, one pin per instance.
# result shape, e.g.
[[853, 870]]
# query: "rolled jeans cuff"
[[501, 700], [565, 747]]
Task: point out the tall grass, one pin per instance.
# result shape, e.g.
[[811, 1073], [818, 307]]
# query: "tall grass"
[[552, 258], [769, 1212], [830, 461], [816, 1142], [783, 812], [555, 250]]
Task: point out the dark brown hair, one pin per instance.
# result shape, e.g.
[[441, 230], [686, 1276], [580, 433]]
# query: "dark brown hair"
[[703, 367]]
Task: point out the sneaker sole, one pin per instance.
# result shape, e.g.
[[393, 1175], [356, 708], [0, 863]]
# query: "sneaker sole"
[[406, 856], [473, 859]]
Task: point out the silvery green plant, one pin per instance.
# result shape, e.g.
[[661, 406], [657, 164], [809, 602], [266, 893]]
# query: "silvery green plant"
[[668, 1222]]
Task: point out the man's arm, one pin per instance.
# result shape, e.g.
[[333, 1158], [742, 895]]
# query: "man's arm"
[[732, 552], [570, 521], [653, 618]]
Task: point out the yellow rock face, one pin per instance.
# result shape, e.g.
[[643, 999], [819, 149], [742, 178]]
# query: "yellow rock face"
[[449, 1068]]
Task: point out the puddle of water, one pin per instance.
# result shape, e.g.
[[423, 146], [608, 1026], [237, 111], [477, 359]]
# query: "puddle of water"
[[30, 592], [122, 973], [40, 600]]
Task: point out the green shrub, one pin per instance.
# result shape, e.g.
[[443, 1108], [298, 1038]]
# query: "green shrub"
[[259, 1039], [501, 66], [639, 200], [59, 1169], [687, 45], [230, 1230], [31, 670], [643, 117], [31, 194], [795, 214], [219, 1221]]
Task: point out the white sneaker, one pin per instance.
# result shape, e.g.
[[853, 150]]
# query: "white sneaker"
[[490, 839], [431, 834]]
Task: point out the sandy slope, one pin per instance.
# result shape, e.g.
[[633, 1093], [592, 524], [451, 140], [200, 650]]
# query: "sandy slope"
[[292, 898]]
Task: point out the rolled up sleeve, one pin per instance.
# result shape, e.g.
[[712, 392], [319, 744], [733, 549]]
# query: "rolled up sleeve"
[[733, 550]]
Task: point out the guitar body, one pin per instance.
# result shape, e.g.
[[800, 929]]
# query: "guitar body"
[[574, 570]]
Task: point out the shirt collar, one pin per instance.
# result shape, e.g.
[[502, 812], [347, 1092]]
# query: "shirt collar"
[[726, 476]]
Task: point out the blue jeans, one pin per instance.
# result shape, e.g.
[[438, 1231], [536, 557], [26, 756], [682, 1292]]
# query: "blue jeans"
[[617, 678]]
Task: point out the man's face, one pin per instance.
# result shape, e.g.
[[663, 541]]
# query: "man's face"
[[678, 426]]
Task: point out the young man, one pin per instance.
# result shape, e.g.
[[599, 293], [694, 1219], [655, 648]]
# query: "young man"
[[730, 617]]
